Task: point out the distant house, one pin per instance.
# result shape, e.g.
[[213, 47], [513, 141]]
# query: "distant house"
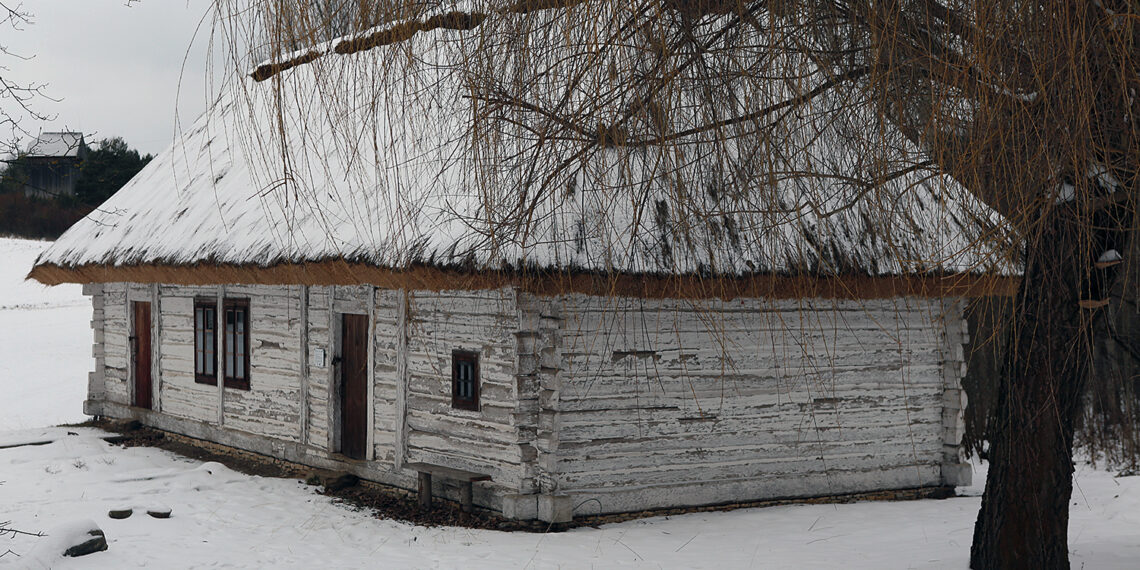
[[52, 163], [370, 319]]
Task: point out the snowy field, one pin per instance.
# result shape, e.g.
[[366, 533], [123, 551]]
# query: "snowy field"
[[223, 519], [45, 344]]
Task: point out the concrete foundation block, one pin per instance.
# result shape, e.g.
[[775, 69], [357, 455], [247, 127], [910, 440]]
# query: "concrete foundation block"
[[555, 508], [92, 407], [957, 474], [520, 507]]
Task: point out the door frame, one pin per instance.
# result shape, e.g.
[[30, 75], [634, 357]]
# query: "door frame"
[[135, 339], [336, 407]]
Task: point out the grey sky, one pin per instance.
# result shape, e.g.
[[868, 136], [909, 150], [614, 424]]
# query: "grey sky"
[[116, 68]]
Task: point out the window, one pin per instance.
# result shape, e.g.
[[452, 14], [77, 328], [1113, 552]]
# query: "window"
[[235, 346], [232, 349], [464, 380], [205, 342]]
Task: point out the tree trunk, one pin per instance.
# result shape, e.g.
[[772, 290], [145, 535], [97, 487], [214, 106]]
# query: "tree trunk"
[[1024, 519]]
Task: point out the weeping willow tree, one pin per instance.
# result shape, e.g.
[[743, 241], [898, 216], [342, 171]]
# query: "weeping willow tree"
[[717, 137]]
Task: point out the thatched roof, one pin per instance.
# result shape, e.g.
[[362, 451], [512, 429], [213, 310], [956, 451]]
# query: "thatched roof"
[[332, 160]]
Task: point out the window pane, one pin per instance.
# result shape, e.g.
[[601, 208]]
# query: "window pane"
[[229, 348], [240, 343], [210, 348], [208, 352], [465, 380], [198, 344]]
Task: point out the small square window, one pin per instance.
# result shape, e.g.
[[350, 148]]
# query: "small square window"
[[464, 380]]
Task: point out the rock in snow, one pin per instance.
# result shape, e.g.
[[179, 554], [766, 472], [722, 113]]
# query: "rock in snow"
[[77, 538], [158, 511], [95, 541]]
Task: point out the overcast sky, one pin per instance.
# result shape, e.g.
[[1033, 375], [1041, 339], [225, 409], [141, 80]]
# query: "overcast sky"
[[115, 68]]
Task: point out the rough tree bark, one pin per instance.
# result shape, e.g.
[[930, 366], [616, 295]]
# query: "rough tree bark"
[[1024, 519]]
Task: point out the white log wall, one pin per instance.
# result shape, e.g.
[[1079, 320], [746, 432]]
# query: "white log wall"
[[665, 402], [287, 381], [272, 405], [319, 388], [385, 376], [116, 355], [485, 441], [623, 404], [181, 395]]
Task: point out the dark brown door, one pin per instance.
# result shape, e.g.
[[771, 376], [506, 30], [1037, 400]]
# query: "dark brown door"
[[354, 387], [142, 354]]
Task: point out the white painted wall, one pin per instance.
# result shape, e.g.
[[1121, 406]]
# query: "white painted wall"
[[665, 402], [484, 441], [623, 404]]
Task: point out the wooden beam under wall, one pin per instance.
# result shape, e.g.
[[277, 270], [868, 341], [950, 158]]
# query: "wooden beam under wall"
[[370, 436], [155, 347], [333, 392], [955, 471], [97, 379], [401, 424], [304, 407], [219, 370], [130, 316]]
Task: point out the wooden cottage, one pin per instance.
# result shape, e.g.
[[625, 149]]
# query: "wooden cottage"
[[363, 306], [52, 164]]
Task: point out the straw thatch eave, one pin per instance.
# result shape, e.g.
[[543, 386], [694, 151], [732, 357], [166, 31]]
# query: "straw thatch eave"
[[340, 272]]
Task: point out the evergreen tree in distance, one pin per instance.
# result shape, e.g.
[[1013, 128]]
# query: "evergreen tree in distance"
[[106, 169]]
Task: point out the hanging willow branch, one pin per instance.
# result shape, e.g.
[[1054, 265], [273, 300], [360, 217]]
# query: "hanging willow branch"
[[728, 137]]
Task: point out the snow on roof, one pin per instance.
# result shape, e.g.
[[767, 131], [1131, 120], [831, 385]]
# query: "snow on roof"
[[366, 165], [56, 145]]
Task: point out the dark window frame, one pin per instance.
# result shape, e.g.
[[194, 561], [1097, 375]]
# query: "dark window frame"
[[465, 393], [201, 376], [238, 381]]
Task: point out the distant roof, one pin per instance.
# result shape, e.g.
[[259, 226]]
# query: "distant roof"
[[56, 144]]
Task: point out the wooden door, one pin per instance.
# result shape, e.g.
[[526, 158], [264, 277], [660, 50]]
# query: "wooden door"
[[142, 354], [354, 386]]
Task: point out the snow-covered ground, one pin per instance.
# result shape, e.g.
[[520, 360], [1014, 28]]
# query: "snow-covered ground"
[[45, 344], [226, 519]]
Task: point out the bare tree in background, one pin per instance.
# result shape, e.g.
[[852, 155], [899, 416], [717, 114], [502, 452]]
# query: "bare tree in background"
[[724, 120], [19, 99]]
